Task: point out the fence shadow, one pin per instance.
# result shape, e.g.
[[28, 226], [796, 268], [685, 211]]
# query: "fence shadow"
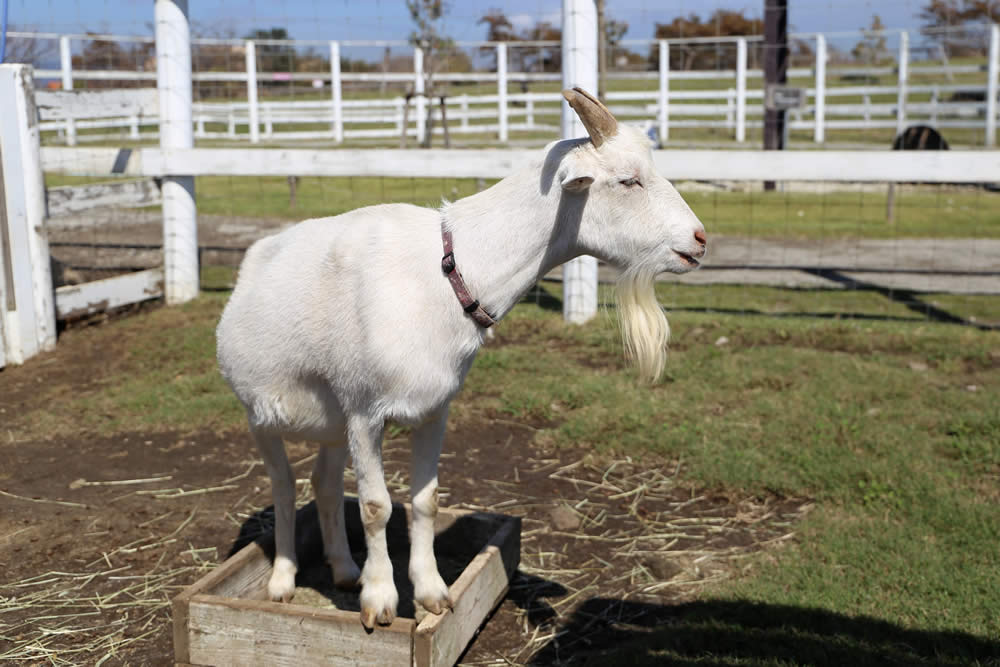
[[723, 632]]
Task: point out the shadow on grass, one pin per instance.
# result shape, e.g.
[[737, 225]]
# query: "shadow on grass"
[[608, 632]]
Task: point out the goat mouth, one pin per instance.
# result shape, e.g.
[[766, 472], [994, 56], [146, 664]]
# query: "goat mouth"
[[691, 261]]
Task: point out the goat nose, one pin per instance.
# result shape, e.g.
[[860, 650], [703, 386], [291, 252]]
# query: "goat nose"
[[699, 236]]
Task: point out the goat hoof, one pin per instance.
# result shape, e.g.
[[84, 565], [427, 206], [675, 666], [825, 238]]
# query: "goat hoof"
[[378, 604], [281, 586], [431, 593]]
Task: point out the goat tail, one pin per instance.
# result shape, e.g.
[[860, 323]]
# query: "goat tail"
[[644, 326]]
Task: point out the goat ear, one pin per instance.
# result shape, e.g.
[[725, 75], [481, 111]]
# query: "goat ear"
[[576, 182], [600, 124]]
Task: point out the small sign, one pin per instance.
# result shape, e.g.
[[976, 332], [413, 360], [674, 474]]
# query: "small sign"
[[784, 97]]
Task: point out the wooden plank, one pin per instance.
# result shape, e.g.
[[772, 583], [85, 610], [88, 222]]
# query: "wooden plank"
[[30, 323], [440, 640], [246, 632], [718, 165], [75, 198], [74, 301], [62, 104], [93, 161]]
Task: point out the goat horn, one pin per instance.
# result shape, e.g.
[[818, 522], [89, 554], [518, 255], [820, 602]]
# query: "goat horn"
[[600, 124]]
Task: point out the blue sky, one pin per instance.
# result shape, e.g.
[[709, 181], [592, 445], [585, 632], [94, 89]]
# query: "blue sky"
[[388, 19]]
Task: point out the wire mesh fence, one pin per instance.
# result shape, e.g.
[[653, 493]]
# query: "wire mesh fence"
[[860, 88], [824, 249]]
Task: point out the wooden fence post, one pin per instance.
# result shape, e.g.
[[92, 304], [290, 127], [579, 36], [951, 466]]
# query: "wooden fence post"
[[664, 89], [253, 112], [336, 93], [418, 91], [66, 65], [992, 83], [27, 306], [819, 133], [173, 83], [741, 90], [904, 76], [579, 68], [502, 90]]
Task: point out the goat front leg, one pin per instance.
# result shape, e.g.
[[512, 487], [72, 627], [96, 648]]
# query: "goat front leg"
[[328, 487], [429, 588], [378, 593], [282, 583]]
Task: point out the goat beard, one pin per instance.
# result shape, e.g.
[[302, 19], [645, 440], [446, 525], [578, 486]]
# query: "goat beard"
[[644, 326]]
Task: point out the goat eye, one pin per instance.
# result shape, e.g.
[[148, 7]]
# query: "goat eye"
[[629, 182]]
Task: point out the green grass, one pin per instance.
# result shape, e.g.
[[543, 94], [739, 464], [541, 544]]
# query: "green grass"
[[890, 426], [873, 420]]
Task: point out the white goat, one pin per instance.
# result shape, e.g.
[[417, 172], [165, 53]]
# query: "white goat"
[[337, 325]]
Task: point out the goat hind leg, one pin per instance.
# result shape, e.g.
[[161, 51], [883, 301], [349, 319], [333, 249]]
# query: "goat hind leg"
[[328, 487], [378, 592], [281, 586], [429, 588]]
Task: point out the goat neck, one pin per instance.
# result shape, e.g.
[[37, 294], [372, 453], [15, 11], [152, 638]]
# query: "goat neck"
[[509, 236]]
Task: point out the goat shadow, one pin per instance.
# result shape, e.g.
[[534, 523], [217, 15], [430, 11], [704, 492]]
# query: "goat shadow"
[[455, 547], [735, 632], [626, 632]]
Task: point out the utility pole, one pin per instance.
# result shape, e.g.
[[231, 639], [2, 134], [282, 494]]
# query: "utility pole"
[[602, 52], [775, 73]]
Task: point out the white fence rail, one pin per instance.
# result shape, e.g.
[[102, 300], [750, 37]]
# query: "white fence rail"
[[712, 165], [665, 105]]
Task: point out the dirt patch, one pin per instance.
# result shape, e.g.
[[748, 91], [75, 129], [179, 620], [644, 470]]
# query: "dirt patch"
[[98, 531]]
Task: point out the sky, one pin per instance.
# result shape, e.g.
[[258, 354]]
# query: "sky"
[[389, 19]]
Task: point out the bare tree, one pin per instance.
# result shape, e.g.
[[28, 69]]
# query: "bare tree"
[[427, 16]]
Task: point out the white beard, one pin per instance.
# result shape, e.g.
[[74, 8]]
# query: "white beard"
[[645, 330]]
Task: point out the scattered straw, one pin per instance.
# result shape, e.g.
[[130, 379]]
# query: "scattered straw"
[[64, 503]]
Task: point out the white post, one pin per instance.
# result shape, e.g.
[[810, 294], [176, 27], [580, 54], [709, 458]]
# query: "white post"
[[418, 89], [529, 113], [502, 90], [730, 108], [66, 64], [133, 126], [336, 93], [664, 99], [904, 75], [579, 63], [27, 305], [173, 82], [231, 124], [993, 81], [741, 90], [252, 111], [819, 133], [464, 106], [935, 98]]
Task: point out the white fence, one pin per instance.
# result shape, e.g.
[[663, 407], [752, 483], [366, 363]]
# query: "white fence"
[[735, 108]]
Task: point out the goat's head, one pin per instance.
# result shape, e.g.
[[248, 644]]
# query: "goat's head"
[[630, 216]]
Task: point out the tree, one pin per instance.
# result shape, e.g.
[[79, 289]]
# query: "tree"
[[872, 48], [722, 23], [427, 15], [28, 50], [950, 23], [105, 54], [533, 59], [273, 57]]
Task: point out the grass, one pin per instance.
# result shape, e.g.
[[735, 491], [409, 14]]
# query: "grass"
[[921, 211], [891, 426]]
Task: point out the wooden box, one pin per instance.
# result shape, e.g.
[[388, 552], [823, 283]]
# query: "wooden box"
[[225, 618]]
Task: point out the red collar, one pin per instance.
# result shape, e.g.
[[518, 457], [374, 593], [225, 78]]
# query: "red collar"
[[469, 305]]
